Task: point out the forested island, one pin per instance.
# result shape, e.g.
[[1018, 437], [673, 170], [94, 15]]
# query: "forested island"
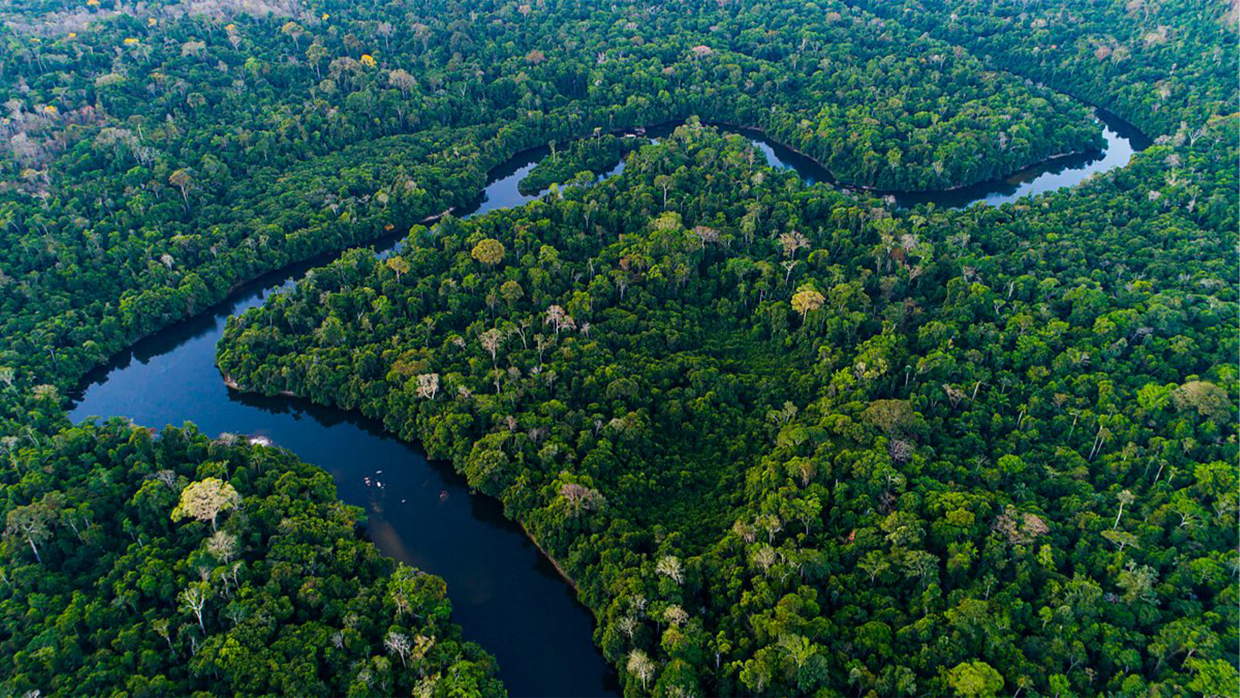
[[782, 438], [591, 157]]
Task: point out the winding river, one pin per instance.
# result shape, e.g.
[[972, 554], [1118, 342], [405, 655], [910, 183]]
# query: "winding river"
[[505, 594]]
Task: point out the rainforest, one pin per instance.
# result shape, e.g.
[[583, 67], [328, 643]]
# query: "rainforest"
[[567, 348]]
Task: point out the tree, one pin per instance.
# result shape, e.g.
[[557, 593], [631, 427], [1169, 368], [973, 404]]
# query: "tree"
[[315, 53], [1124, 497], [975, 678], [205, 499], [791, 242], [488, 251], [398, 644], [641, 666], [1206, 398], [182, 179], [558, 319], [805, 659], [161, 626], [294, 31], [397, 264], [895, 417], [1212, 677], [490, 342], [806, 299], [402, 80], [675, 616], [194, 600], [222, 546], [803, 468], [669, 566], [428, 385], [30, 523], [704, 234], [663, 182], [511, 292]]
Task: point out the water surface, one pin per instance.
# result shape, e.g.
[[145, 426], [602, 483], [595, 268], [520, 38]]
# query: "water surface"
[[505, 594]]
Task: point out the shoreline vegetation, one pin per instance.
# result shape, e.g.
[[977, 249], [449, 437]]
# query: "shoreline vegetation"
[[835, 182]]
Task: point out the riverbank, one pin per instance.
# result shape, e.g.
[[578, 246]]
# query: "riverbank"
[[834, 179]]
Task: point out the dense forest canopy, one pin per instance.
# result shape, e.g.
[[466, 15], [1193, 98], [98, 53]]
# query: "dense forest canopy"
[[878, 430], [171, 563], [784, 439], [185, 153]]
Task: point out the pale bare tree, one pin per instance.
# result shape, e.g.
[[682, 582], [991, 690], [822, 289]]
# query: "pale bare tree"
[[788, 265], [771, 524], [558, 319], [194, 600], [398, 644], [1125, 497], [675, 616], [402, 80], [791, 242], [764, 557], [31, 524], [182, 179], [491, 340], [641, 666], [428, 385], [669, 566], [705, 234], [580, 498], [222, 546], [385, 29]]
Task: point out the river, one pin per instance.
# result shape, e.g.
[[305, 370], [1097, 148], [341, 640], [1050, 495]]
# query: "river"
[[505, 594], [1122, 142]]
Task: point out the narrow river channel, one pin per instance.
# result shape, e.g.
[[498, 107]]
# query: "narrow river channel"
[[506, 595]]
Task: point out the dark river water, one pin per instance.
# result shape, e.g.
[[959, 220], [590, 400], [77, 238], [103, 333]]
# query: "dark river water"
[[505, 594]]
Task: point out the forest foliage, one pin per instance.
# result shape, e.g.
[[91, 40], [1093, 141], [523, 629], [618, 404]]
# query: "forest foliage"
[[783, 439], [171, 563], [156, 160], [899, 443]]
